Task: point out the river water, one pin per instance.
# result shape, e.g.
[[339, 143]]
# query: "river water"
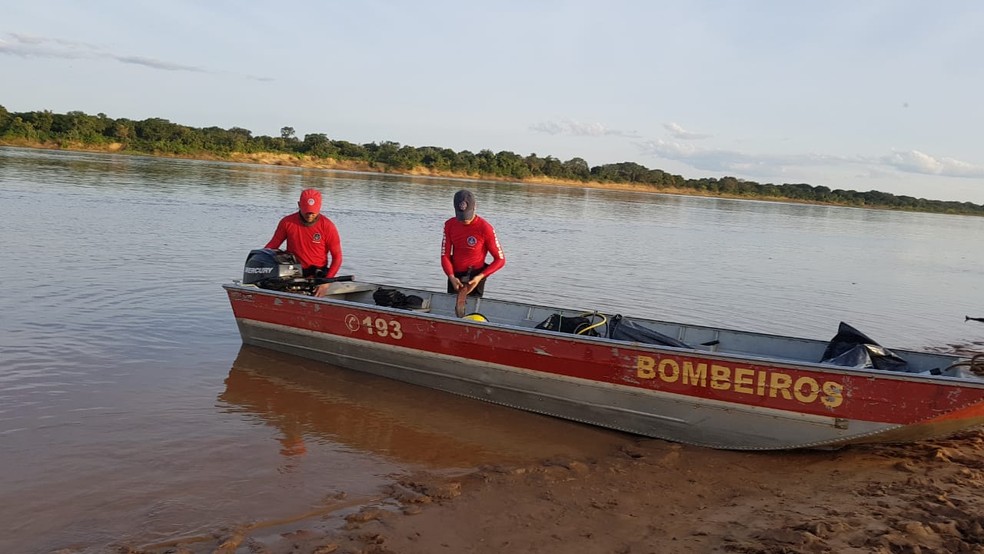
[[131, 414]]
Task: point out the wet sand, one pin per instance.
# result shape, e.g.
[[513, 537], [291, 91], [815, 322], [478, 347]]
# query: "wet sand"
[[648, 495]]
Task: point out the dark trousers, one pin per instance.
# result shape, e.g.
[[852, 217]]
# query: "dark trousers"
[[466, 276]]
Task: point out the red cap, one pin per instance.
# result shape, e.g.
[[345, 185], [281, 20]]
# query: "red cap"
[[310, 201]]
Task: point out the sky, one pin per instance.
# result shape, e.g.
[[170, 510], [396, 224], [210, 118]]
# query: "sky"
[[858, 95]]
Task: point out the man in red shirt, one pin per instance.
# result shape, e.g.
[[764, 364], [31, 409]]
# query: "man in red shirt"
[[467, 240], [311, 237]]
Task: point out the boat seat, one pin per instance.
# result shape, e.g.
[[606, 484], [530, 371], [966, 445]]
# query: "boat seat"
[[423, 309], [348, 287]]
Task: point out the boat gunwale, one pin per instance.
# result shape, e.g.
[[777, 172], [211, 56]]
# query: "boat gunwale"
[[605, 341]]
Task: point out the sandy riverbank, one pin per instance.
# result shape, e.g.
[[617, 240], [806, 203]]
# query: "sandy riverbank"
[[652, 496]]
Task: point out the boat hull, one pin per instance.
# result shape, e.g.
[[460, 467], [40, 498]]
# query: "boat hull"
[[712, 400]]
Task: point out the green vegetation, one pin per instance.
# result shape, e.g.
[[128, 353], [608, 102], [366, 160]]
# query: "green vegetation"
[[160, 136]]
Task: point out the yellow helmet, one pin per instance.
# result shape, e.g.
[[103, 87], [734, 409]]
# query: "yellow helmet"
[[475, 317]]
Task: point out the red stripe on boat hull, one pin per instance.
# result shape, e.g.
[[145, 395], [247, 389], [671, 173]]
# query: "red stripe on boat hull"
[[883, 398]]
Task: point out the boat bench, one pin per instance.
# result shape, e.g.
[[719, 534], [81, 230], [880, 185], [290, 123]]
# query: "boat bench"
[[347, 288]]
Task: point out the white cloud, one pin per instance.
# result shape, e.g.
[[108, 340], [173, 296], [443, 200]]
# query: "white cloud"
[[157, 64], [744, 164], [579, 129], [679, 132], [26, 46], [731, 160], [775, 166], [914, 161]]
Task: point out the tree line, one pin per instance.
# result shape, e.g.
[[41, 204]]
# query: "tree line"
[[160, 136]]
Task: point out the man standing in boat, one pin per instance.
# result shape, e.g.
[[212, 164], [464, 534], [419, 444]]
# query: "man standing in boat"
[[468, 239], [311, 237]]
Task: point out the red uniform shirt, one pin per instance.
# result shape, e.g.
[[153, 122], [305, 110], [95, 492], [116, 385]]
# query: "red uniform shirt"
[[464, 247], [312, 244]]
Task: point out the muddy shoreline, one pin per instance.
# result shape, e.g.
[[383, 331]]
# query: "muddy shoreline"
[[649, 495]]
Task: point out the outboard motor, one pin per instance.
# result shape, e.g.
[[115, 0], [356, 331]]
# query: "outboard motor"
[[271, 269], [277, 270]]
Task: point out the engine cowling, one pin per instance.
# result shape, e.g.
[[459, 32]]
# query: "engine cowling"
[[269, 268]]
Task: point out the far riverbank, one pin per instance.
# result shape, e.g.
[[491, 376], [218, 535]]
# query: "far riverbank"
[[312, 162]]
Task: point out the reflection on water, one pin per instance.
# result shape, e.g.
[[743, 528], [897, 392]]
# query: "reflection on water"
[[311, 402], [120, 417]]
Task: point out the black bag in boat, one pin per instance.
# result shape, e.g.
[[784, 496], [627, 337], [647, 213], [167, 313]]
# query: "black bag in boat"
[[852, 348], [620, 329], [387, 297], [578, 325], [392, 298], [411, 302]]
